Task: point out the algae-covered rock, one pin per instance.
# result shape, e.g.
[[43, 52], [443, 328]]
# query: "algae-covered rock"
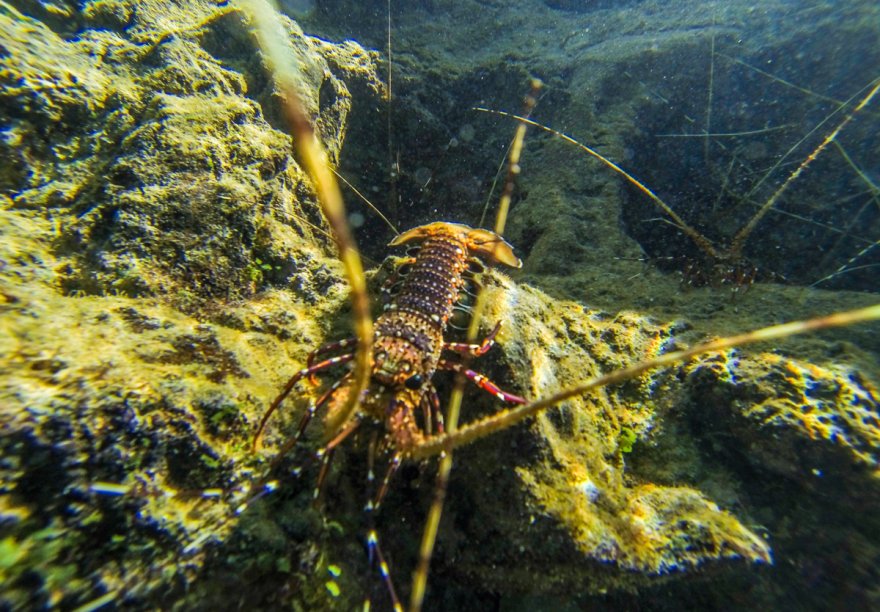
[[164, 269], [159, 160], [643, 527], [710, 104], [673, 473], [151, 206], [825, 420]]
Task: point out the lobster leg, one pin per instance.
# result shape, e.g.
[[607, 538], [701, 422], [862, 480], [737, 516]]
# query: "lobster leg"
[[308, 371], [374, 551], [434, 399], [481, 381], [432, 415], [389, 286], [383, 488], [304, 421], [326, 458], [325, 454], [427, 420], [474, 349], [266, 486], [327, 348]]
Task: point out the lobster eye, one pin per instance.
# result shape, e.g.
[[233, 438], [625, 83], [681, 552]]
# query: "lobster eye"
[[413, 382]]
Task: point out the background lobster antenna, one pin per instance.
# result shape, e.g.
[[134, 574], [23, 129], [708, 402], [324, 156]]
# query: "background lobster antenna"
[[738, 242], [698, 238]]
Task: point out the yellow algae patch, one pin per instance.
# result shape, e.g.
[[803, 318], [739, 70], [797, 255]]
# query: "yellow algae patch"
[[580, 480], [136, 416], [673, 528], [830, 404]]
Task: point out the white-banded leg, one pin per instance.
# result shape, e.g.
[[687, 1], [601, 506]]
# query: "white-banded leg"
[[308, 371], [434, 400], [481, 381], [325, 454], [427, 418], [328, 348], [374, 550], [475, 350]]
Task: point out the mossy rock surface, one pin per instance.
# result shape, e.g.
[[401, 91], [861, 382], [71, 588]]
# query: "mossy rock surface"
[[165, 268]]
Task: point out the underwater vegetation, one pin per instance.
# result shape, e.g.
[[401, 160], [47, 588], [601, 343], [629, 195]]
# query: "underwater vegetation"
[[164, 269]]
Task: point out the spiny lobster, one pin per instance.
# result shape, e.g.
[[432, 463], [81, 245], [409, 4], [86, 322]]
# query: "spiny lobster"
[[408, 339]]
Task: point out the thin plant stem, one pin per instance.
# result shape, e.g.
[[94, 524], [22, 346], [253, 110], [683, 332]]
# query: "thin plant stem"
[[432, 522], [709, 95]]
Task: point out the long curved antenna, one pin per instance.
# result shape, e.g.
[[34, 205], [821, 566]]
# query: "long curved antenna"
[[700, 240], [276, 47], [439, 444], [738, 242]]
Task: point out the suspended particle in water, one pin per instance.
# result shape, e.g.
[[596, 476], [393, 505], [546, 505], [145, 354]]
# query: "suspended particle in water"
[[356, 220], [422, 176]]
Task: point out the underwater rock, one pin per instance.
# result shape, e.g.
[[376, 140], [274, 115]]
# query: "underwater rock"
[[633, 485], [582, 516], [146, 178], [645, 83], [163, 271], [162, 162], [825, 421]]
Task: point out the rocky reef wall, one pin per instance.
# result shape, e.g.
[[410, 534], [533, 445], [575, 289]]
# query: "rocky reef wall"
[[164, 269]]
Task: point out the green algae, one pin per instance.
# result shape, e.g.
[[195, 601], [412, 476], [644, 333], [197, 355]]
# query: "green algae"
[[626, 440]]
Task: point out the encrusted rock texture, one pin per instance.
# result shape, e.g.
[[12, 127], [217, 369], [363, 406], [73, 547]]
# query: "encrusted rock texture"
[[164, 269], [163, 266]]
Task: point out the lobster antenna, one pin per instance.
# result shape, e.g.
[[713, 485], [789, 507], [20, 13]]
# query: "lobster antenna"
[[275, 46], [438, 444], [432, 522], [698, 238], [736, 246], [366, 201]]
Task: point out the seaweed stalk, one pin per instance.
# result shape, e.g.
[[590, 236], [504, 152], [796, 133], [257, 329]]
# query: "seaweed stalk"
[[263, 15], [432, 522]]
